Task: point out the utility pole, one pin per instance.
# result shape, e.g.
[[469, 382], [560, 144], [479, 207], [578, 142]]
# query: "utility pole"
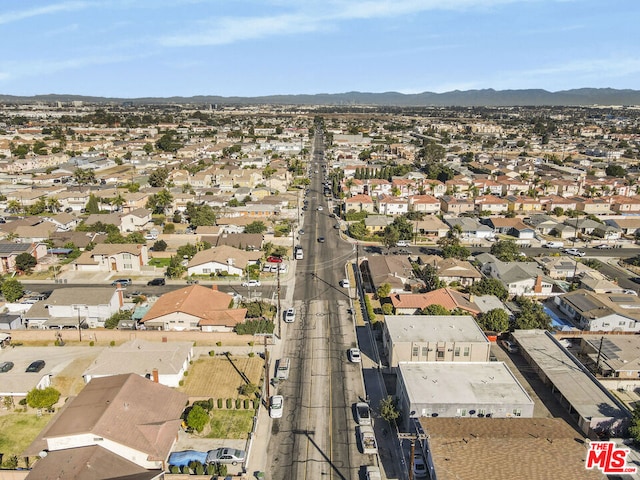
[[266, 368], [279, 311]]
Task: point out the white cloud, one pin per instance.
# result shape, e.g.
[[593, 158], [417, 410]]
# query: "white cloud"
[[15, 16]]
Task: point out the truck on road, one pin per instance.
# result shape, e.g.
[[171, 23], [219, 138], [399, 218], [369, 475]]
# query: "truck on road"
[[368, 439]]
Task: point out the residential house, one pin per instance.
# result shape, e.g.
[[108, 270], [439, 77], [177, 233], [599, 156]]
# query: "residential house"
[[622, 205], [414, 303], [452, 205], [471, 228], [562, 267], [613, 355], [424, 203], [75, 307], [377, 223], [359, 203], [606, 312], [242, 241], [395, 270], [10, 250], [452, 269], [519, 278], [541, 223], [194, 308], [594, 206], [121, 426], [431, 227], [123, 258], [224, 258], [491, 204], [64, 222], [162, 362], [551, 202], [390, 205], [626, 225], [524, 205]]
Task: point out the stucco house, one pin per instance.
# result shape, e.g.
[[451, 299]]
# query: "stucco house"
[[227, 259], [113, 257]]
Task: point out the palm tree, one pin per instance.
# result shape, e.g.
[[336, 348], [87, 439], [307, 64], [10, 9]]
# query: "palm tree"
[[53, 205]]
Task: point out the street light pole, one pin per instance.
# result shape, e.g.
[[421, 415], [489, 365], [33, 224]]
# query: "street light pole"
[[78, 307]]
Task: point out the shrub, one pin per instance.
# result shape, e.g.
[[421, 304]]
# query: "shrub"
[[92, 343], [219, 403], [174, 469], [238, 403], [251, 343], [112, 343], [246, 404], [181, 383], [229, 403], [186, 373], [251, 354], [199, 469], [212, 353], [219, 343]]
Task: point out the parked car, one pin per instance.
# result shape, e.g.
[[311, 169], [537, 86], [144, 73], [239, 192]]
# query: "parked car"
[[574, 251], [301, 232], [345, 283], [635, 279], [553, 245], [290, 315], [231, 456], [320, 208], [275, 406], [604, 246], [354, 355], [373, 473], [156, 282], [274, 259], [321, 239], [192, 281], [251, 283], [35, 366], [124, 282], [509, 346], [5, 366], [419, 467], [363, 414]]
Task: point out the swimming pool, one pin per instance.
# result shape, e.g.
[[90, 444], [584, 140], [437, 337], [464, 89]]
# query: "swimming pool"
[[556, 321]]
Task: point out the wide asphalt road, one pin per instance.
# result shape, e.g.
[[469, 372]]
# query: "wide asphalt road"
[[315, 438]]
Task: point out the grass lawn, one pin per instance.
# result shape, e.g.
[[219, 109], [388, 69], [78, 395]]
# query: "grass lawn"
[[231, 423], [17, 431], [217, 377], [160, 262]]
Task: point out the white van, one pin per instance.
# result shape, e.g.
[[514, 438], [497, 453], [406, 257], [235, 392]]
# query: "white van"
[[299, 254], [282, 370], [553, 245], [402, 243]]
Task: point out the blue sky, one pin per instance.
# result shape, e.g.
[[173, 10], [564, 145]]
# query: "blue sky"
[[140, 48]]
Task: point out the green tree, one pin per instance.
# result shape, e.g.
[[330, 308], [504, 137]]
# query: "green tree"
[[158, 177], [358, 230], [12, 290], [456, 251], [496, 320], [175, 268], [558, 211], [42, 398], [531, 315], [384, 290], [255, 227], [197, 418], [388, 409], [200, 215], [429, 275], [404, 227], [159, 246], [113, 320], [489, 286], [92, 204], [505, 250], [634, 428], [435, 309], [25, 262], [169, 142], [613, 170], [391, 236], [159, 202]]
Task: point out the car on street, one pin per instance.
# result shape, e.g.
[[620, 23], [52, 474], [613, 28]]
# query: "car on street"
[[290, 315], [124, 282], [635, 279], [321, 239], [225, 455], [337, 226], [419, 467], [35, 366], [373, 473], [301, 232], [344, 283], [156, 282], [275, 406], [574, 251], [509, 346], [320, 208], [354, 355], [363, 414], [604, 246], [251, 283], [5, 366]]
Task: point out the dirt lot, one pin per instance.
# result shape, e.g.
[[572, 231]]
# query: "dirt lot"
[[217, 377]]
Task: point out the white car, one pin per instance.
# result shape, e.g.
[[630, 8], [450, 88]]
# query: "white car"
[[251, 283], [275, 406], [290, 315], [345, 283], [354, 355], [574, 251], [320, 208], [604, 246]]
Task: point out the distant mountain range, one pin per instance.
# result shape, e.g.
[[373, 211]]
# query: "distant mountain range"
[[467, 98]]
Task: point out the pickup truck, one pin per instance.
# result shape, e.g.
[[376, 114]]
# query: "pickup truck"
[[368, 440]]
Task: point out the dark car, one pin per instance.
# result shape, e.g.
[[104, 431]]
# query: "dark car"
[[5, 366], [156, 282], [635, 279], [321, 239], [35, 366]]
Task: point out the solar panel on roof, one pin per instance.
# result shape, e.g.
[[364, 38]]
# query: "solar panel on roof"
[[14, 247]]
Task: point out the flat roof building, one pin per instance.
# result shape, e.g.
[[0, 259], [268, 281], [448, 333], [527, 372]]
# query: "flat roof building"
[[456, 389], [433, 338]]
